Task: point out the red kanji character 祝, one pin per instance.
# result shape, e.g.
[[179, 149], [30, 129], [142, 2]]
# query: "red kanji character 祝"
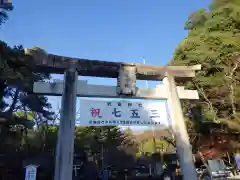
[[95, 112]]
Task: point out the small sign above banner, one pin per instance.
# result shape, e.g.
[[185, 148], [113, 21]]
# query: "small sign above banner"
[[123, 113]]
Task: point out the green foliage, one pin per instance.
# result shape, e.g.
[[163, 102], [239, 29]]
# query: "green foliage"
[[111, 137], [161, 145], [4, 15], [27, 115], [17, 78], [214, 41], [19, 110], [43, 139]]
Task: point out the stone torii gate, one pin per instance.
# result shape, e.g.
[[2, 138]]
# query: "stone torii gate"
[[71, 87]]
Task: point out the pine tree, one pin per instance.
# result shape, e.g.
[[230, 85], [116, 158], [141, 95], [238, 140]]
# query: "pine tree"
[[214, 41]]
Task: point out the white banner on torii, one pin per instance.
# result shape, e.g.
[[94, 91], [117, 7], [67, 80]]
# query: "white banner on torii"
[[123, 113]]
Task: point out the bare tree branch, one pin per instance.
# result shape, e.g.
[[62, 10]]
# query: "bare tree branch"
[[209, 103], [14, 102], [231, 86]]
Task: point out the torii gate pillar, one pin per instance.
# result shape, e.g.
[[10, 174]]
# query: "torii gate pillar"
[[184, 149], [65, 143]]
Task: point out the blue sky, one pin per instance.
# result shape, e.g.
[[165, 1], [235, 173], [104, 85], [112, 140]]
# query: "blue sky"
[[112, 30]]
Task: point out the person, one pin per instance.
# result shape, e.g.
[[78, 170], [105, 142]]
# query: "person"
[[172, 168], [105, 174], [90, 171]]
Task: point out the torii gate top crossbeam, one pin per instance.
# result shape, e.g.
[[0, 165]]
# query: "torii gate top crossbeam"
[[52, 63]]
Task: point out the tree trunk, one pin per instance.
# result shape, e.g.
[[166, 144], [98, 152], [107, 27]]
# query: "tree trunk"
[[14, 102], [2, 88]]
